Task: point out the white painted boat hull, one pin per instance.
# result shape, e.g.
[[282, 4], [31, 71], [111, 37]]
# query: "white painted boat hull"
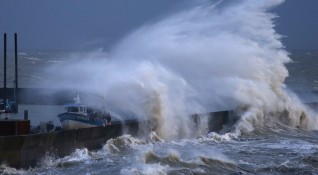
[[71, 124]]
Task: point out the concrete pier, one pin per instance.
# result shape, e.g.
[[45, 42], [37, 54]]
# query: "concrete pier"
[[14, 127], [24, 151]]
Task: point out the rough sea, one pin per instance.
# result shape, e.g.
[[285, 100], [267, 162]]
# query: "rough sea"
[[193, 61]]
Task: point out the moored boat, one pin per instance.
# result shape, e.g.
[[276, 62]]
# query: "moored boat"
[[79, 115]]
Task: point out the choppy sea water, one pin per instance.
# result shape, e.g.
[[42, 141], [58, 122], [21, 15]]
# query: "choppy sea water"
[[302, 70], [273, 152]]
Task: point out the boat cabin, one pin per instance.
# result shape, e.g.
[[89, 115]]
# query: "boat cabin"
[[77, 108]]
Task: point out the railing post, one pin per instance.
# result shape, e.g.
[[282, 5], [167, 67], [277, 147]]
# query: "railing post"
[[26, 115]]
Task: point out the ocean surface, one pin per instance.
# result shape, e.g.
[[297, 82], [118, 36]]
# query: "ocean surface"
[[212, 56]]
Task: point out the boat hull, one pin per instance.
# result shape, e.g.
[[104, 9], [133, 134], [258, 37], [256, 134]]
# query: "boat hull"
[[74, 121]]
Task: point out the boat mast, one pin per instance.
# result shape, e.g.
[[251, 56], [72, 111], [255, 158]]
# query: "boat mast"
[[5, 68], [77, 99], [16, 72]]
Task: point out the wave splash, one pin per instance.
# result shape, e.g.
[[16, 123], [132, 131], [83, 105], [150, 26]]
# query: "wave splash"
[[211, 56]]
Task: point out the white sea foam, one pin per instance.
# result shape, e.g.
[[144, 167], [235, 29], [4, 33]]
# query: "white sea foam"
[[22, 53], [32, 58], [4, 169], [209, 57], [153, 169], [123, 144], [299, 146], [78, 156]]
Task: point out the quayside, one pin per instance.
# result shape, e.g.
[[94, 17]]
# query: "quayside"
[[22, 150]]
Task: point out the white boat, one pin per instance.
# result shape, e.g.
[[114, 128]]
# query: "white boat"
[[79, 115]]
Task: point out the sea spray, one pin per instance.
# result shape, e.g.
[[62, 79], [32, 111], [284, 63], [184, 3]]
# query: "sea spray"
[[212, 56], [256, 60]]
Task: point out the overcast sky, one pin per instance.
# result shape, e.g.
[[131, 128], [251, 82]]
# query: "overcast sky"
[[90, 24]]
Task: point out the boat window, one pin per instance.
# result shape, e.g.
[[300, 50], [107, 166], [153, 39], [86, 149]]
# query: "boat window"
[[82, 109], [72, 109]]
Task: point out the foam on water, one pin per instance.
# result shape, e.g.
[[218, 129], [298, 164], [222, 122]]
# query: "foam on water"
[[210, 56], [154, 169], [298, 146], [77, 157], [4, 169], [192, 163], [123, 144]]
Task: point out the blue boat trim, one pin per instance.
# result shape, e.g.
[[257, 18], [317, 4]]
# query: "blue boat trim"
[[79, 115], [81, 118]]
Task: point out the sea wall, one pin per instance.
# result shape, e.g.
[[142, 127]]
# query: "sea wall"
[[25, 151]]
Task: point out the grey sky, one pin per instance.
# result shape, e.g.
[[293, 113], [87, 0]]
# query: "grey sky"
[[88, 24]]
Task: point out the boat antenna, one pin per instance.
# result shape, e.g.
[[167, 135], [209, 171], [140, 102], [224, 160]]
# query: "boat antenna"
[[77, 99]]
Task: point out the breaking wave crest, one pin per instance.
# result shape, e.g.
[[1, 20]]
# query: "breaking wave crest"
[[122, 144], [4, 169], [79, 156], [176, 165], [213, 56]]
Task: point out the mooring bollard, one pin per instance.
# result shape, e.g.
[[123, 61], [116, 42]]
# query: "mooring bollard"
[[26, 115]]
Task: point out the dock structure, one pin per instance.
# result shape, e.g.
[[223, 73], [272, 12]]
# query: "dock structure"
[[10, 102], [22, 150], [9, 127]]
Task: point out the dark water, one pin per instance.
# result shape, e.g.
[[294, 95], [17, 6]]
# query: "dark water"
[[268, 150], [303, 71], [275, 153]]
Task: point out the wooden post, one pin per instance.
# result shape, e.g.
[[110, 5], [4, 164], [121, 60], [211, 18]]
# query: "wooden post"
[[26, 115]]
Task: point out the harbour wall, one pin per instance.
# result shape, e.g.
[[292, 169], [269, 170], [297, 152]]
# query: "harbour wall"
[[24, 151]]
